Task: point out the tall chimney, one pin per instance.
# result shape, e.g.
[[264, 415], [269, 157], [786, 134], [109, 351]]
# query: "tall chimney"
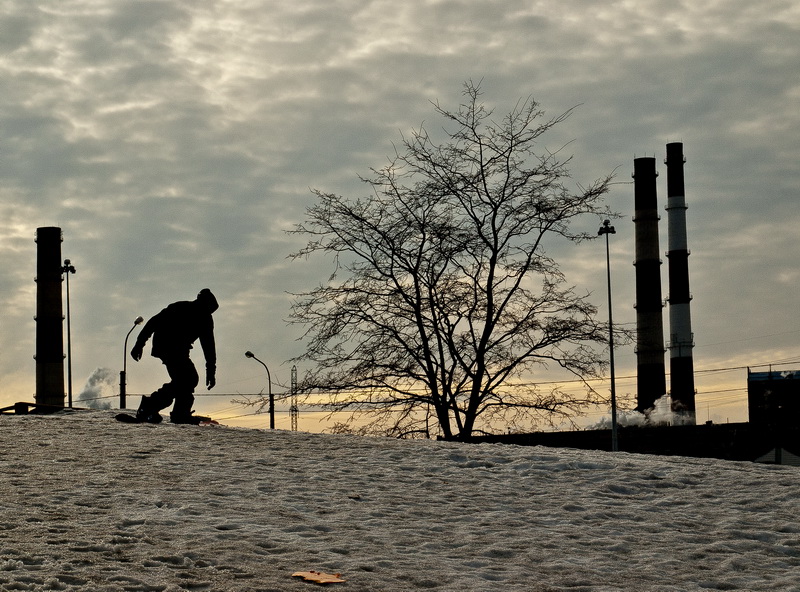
[[650, 379], [681, 339], [49, 319]]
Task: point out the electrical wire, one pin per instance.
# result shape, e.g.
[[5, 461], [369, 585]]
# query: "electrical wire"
[[620, 381]]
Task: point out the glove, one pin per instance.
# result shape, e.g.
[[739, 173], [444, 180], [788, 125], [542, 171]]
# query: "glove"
[[136, 352], [210, 378]]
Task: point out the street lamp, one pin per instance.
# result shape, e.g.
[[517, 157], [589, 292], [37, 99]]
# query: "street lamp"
[[607, 229], [250, 354], [123, 373], [68, 269]]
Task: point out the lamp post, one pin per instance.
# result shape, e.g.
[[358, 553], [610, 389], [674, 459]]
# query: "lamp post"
[[123, 373], [68, 269], [607, 229], [250, 354]]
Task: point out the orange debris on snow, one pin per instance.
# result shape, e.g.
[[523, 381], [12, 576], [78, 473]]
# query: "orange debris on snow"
[[319, 577]]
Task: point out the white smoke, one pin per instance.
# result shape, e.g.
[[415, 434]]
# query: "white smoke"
[[100, 387], [660, 414]]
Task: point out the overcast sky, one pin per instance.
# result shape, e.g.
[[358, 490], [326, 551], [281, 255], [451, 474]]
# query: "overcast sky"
[[174, 142]]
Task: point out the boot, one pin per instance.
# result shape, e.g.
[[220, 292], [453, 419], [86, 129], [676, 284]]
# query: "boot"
[[147, 412], [182, 411], [188, 418]]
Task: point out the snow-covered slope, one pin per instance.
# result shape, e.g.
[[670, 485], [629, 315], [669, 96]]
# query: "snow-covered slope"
[[90, 504]]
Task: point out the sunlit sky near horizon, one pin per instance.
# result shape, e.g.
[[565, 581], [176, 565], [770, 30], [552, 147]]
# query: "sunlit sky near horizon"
[[175, 142]]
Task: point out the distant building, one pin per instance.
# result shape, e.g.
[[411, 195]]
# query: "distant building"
[[771, 436], [773, 398]]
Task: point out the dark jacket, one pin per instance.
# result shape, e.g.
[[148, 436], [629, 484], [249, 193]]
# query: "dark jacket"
[[177, 327]]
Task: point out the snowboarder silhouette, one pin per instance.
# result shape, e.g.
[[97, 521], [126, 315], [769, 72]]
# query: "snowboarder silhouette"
[[174, 330]]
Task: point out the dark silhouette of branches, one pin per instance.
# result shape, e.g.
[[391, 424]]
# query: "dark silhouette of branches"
[[443, 295]]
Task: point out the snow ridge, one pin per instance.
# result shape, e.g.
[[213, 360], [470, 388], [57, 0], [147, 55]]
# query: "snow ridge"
[[90, 504]]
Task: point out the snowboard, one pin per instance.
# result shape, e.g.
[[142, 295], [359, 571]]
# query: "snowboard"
[[127, 418], [131, 418]]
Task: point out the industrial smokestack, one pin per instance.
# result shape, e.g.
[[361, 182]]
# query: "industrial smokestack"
[[650, 379], [681, 339], [49, 319]]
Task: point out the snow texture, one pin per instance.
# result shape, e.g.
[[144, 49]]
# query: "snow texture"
[[87, 503]]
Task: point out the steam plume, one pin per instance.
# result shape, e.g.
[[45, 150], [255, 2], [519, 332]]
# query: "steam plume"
[[661, 413], [99, 387]]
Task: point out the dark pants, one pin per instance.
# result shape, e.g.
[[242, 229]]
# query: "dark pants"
[[180, 389]]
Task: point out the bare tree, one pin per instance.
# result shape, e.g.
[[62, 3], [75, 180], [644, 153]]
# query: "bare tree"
[[444, 300]]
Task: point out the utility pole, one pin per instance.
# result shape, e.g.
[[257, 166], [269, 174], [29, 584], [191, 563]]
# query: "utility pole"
[[123, 375], [68, 269], [249, 354], [608, 229]]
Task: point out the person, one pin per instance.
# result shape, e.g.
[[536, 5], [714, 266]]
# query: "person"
[[174, 330]]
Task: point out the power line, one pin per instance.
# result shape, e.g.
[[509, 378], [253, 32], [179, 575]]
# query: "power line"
[[750, 338], [622, 379], [782, 362]]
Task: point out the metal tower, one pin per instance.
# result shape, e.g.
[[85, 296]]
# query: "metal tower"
[[294, 412]]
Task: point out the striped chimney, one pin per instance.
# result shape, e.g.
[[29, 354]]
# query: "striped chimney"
[[681, 339]]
